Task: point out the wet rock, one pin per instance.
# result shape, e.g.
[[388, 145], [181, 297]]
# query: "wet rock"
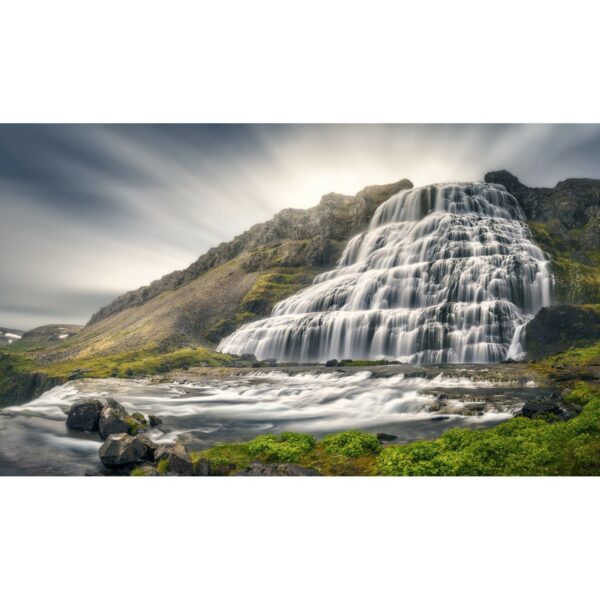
[[84, 415], [154, 421], [331, 363], [179, 461], [386, 437], [121, 450], [532, 410], [440, 418], [258, 469], [202, 468], [113, 419], [248, 357]]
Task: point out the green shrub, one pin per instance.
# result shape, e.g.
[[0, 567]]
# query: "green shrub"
[[351, 443], [283, 447], [517, 447]]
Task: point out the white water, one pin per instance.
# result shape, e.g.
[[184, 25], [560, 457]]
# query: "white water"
[[35, 440], [445, 273]]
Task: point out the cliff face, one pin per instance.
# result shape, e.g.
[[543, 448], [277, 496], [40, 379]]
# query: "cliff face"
[[565, 222], [233, 283], [562, 327]]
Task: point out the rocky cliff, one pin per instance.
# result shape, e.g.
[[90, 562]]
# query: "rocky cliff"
[[565, 222]]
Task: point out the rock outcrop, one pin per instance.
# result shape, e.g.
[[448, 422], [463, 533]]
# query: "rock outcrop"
[[561, 327], [565, 222]]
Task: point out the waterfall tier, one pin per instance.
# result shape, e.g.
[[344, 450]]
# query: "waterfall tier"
[[445, 273]]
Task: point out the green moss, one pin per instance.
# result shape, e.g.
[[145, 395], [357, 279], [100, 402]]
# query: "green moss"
[[162, 467], [577, 272], [351, 443], [272, 287], [225, 458], [517, 447], [137, 472], [134, 426], [283, 447]]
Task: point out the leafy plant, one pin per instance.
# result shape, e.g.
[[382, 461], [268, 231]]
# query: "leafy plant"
[[283, 447], [351, 443]]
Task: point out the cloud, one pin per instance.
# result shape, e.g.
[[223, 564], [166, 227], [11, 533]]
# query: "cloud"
[[90, 211]]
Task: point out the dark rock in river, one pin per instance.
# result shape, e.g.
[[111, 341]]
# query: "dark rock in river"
[[121, 450], [331, 363], [386, 437], [154, 421], [84, 415], [258, 469], [179, 461], [113, 419]]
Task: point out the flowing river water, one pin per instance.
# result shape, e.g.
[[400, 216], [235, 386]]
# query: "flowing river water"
[[202, 411]]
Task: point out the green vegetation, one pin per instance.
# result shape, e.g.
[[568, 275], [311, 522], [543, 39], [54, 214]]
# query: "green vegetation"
[[162, 467], [351, 443], [572, 365], [271, 287], [25, 372], [283, 447], [577, 271], [299, 448], [517, 447]]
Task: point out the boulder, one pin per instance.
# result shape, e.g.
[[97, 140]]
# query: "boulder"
[[154, 421], [113, 419], [179, 461], [331, 363], [386, 437], [257, 469], [121, 450], [84, 415]]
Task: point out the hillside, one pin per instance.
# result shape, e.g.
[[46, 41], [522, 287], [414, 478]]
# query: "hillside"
[[233, 283]]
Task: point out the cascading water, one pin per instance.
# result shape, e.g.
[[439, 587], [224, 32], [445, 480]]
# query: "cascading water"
[[445, 273]]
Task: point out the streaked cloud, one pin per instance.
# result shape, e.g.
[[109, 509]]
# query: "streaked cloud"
[[90, 211]]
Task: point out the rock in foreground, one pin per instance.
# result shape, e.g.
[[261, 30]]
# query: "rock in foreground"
[[177, 459], [122, 450], [258, 469], [84, 415]]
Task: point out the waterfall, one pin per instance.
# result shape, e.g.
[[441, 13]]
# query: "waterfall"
[[445, 273]]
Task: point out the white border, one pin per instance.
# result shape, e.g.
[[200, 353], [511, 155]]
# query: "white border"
[[315, 61]]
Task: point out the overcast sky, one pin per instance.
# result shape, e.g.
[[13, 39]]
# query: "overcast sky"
[[88, 212]]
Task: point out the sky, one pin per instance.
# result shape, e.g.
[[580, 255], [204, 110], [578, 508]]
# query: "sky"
[[88, 212]]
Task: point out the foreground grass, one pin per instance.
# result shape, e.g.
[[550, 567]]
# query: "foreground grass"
[[347, 453]]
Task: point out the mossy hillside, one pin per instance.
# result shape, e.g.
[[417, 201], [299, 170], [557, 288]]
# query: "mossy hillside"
[[24, 373], [576, 270], [571, 365], [270, 288]]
